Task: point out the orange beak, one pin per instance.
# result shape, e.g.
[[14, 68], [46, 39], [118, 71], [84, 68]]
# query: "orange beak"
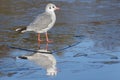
[[57, 8]]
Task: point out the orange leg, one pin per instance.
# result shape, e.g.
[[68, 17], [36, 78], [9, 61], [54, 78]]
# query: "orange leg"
[[46, 46], [48, 41], [39, 40]]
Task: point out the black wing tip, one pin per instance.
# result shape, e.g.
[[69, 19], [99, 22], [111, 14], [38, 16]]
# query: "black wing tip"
[[21, 29], [22, 57]]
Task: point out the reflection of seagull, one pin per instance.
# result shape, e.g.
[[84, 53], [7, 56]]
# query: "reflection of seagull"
[[43, 22], [46, 61]]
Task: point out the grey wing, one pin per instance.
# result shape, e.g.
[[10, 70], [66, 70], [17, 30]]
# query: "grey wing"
[[41, 22]]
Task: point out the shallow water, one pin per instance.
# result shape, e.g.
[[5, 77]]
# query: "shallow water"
[[94, 25]]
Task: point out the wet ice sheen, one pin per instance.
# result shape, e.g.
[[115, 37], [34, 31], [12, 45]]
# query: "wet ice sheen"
[[97, 20]]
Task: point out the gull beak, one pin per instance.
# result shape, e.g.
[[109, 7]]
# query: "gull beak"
[[57, 8]]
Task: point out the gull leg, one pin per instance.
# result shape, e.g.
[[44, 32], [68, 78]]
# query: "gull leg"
[[47, 46], [48, 41], [39, 40]]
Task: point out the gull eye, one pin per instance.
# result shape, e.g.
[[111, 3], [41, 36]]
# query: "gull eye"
[[53, 7], [49, 7]]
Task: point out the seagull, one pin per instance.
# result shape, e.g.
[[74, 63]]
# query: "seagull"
[[43, 22], [46, 61]]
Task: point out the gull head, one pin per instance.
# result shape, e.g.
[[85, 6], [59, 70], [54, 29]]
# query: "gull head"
[[51, 7]]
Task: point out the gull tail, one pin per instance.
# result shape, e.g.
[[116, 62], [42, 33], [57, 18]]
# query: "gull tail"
[[22, 30], [22, 57]]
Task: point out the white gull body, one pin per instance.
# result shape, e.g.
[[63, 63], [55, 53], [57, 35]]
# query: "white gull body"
[[46, 61], [43, 22]]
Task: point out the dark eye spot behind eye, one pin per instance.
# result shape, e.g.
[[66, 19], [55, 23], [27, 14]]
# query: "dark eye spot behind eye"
[[49, 7]]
